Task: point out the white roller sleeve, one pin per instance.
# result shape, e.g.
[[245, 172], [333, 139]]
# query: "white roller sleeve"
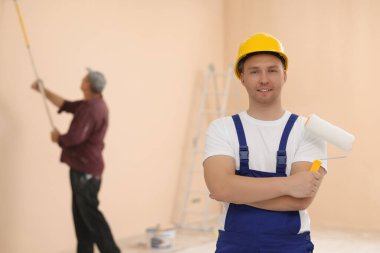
[[329, 132]]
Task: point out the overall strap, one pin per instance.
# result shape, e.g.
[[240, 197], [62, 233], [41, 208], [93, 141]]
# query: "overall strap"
[[243, 148], [281, 153]]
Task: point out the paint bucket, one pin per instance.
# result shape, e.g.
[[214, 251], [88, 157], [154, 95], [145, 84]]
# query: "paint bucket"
[[161, 238]]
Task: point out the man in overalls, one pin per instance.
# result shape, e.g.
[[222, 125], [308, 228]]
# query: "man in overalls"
[[257, 162]]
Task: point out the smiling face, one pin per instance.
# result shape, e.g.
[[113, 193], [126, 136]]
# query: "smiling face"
[[263, 77]]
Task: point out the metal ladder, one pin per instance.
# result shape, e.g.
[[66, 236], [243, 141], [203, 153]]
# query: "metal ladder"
[[198, 211]]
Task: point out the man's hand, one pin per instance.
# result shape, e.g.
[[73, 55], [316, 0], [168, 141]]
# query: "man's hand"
[[54, 135], [304, 184], [35, 86]]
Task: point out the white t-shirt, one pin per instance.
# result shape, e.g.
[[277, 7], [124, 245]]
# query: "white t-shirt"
[[263, 140]]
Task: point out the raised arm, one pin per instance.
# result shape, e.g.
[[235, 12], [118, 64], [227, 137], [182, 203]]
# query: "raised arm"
[[51, 96], [224, 185], [289, 203]]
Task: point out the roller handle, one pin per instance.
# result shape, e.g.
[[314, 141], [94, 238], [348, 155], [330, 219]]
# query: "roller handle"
[[315, 166]]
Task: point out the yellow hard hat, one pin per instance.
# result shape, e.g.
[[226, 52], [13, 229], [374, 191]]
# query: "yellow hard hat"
[[260, 42]]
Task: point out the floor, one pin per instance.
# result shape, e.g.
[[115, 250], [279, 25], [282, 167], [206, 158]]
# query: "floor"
[[341, 241], [325, 240]]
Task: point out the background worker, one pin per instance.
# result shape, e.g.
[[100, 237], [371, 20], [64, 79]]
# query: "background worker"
[[82, 149], [257, 162]]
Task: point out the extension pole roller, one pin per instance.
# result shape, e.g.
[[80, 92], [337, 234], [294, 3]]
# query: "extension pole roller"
[[40, 83]]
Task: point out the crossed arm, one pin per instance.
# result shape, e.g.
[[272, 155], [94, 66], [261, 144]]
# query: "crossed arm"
[[295, 192]]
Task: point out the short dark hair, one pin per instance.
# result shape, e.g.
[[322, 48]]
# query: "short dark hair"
[[240, 65]]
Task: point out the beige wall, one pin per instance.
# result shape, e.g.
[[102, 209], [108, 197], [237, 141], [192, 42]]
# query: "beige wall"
[[153, 54], [333, 64]]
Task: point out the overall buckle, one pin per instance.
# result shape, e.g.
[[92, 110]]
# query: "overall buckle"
[[281, 158], [243, 153]]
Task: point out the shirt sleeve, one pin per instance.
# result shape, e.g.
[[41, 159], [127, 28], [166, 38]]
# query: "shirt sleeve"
[[217, 140], [69, 106], [80, 129], [311, 148]]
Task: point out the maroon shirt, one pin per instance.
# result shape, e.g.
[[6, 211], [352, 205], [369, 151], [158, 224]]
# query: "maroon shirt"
[[82, 145]]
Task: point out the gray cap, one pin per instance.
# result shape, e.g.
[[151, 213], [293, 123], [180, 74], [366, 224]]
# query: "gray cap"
[[97, 80]]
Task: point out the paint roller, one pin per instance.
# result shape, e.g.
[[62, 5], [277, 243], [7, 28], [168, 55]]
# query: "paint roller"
[[40, 83], [330, 133]]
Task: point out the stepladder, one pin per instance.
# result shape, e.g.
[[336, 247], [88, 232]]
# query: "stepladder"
[[198, 211]]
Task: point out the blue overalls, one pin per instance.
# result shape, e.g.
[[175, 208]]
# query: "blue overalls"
[[252, 230]]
